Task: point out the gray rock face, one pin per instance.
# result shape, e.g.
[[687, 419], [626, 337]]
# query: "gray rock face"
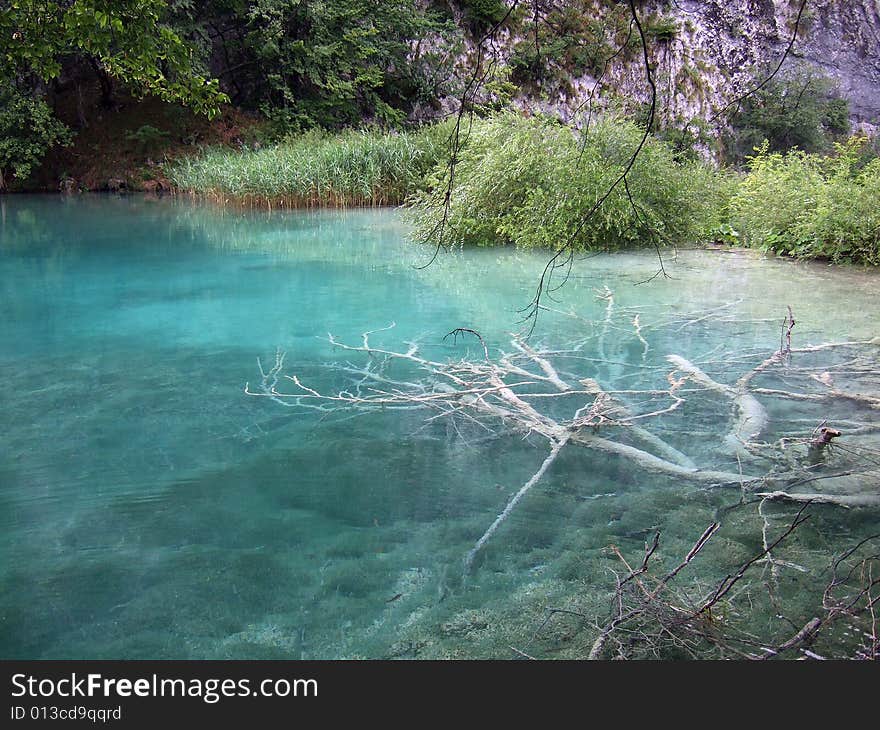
[[844, 42], [718, 46], [840, 38]]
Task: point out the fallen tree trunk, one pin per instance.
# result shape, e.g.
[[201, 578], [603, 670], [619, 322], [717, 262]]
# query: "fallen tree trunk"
[[523, 392], [839, 500], [751, 417], [656, 465]]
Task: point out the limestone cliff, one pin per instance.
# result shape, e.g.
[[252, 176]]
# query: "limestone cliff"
[[708, 51]]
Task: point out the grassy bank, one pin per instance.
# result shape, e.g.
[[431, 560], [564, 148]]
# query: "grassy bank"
[[528, 181], [355, 168]]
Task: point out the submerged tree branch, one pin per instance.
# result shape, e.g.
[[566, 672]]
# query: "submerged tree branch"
[[526, 391]]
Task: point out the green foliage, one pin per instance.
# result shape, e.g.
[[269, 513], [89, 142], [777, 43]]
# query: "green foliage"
[[28, 129], [125, 39], [147, 137], [661, 29], [497, 93], [529, 181], [812, 206], [686, 137], [571, 39], [481, 15], [128, 38], [800, 110], [835, 116], [725, 233], [366, 167], [333, 64]]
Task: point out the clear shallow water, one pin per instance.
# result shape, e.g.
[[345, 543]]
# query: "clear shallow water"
[[150, 509]]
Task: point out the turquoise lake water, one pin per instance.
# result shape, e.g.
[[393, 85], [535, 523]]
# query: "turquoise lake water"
[[149, 508]]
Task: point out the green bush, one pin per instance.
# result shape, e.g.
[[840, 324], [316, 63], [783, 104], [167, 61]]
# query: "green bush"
[[147, 138], [28, 129], [800, 110], [661, 29], [812, 206], [530, 181], [569, 39], [366, 167], [334, 64], [483, 14]]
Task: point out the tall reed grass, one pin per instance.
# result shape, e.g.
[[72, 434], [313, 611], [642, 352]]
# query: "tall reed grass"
[[354, 168]]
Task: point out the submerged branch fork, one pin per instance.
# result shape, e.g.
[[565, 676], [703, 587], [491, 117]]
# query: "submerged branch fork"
[[518, 390]]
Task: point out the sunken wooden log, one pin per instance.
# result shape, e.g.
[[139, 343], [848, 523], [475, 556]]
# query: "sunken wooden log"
[[750, 417], [839, 500]]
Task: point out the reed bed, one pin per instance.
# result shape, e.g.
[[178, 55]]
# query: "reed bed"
[[354, 168]]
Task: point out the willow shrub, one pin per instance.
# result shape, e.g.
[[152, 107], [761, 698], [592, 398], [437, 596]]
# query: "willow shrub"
[[812, 206], [366, 167], [530, 182]]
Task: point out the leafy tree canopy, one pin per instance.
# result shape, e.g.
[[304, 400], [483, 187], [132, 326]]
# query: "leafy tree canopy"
[[27, 129], [336, 63], [799, 110], [129, 38]]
